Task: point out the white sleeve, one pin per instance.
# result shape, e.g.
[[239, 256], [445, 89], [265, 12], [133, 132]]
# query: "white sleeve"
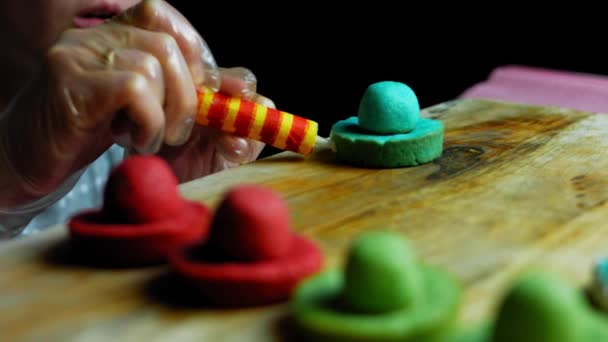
[[14, 220]]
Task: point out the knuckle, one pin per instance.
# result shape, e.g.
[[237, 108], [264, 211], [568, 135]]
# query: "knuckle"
[[166, 43], [150, 66], [56, 54], [136, 85], [182, 108], [146, 14], [149, 8], [71, 34], [57, 63], [194, 43]]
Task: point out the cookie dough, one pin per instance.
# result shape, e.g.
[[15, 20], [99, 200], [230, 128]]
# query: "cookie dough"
[[395, 297], [143, 217], [542, 307], [253, 256], [355, 146], [388, 108], [388, 131]]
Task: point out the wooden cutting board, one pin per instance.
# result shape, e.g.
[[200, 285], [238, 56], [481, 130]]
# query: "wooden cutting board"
[[517, 187]]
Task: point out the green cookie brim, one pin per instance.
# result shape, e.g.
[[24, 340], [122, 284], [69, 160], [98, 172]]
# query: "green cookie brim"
[[316, 316], [597, 330], [358, 147]]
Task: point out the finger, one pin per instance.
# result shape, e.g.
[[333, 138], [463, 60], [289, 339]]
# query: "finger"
[[142, 63], [180, 92], [129, 82], [129, 93], [157, 15], [240, 150], [264, 101], [239, 82], [235, 149]]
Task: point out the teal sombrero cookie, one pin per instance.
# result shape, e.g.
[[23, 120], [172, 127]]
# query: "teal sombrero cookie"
[[384, 294], [388, 131]]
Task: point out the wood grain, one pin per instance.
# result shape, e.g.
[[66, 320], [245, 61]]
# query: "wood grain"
[[516, 187]]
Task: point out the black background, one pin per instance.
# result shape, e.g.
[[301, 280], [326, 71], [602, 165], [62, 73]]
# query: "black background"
[[316, 62]]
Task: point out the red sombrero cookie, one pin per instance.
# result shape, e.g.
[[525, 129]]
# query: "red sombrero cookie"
[[252, 256], [143, 217]]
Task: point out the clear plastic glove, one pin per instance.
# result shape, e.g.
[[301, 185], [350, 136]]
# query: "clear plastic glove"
[[209, 150], [130, 81]]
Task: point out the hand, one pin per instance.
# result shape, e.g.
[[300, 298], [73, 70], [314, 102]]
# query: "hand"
[[209, 150], [130, 81]]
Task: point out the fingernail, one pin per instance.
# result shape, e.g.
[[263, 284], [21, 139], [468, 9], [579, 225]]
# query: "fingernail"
[[183, 132], [234, 149], [249, 81], [264, 101], [198, 74], [154, 146], [211, 79]]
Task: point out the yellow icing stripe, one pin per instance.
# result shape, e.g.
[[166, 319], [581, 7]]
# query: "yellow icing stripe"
[[259, 115], [233, 105], [310, 138], [203, 109], [199, 109], [286, 122]]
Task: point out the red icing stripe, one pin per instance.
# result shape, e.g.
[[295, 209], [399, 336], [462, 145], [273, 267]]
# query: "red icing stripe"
[[296, 134], [272, 125], [217, 111], [244, 118]]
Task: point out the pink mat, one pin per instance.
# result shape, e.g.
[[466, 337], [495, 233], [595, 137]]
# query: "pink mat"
[[537, 86]]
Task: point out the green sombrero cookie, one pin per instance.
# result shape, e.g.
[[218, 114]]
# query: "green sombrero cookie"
[[542, 307], [538, 307], [384, 294]]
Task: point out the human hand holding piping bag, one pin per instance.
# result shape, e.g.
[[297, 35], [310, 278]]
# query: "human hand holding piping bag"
[[130, 81], [209, 150]]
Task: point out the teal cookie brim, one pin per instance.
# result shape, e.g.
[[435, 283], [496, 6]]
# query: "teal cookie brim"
[[357, 147], [317, 313]]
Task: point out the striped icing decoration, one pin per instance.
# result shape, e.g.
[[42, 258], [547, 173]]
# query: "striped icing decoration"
[[217, 112], [270, 131], [284, 129], [251, 120], [310, 138], [244, 119], [204, 100], [259, 116], [234, 104]]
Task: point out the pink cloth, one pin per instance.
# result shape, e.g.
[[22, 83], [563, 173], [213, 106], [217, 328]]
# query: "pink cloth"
[[538, 86]]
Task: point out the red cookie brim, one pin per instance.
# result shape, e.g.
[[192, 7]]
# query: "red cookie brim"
[[227, 283], [116, 244]]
